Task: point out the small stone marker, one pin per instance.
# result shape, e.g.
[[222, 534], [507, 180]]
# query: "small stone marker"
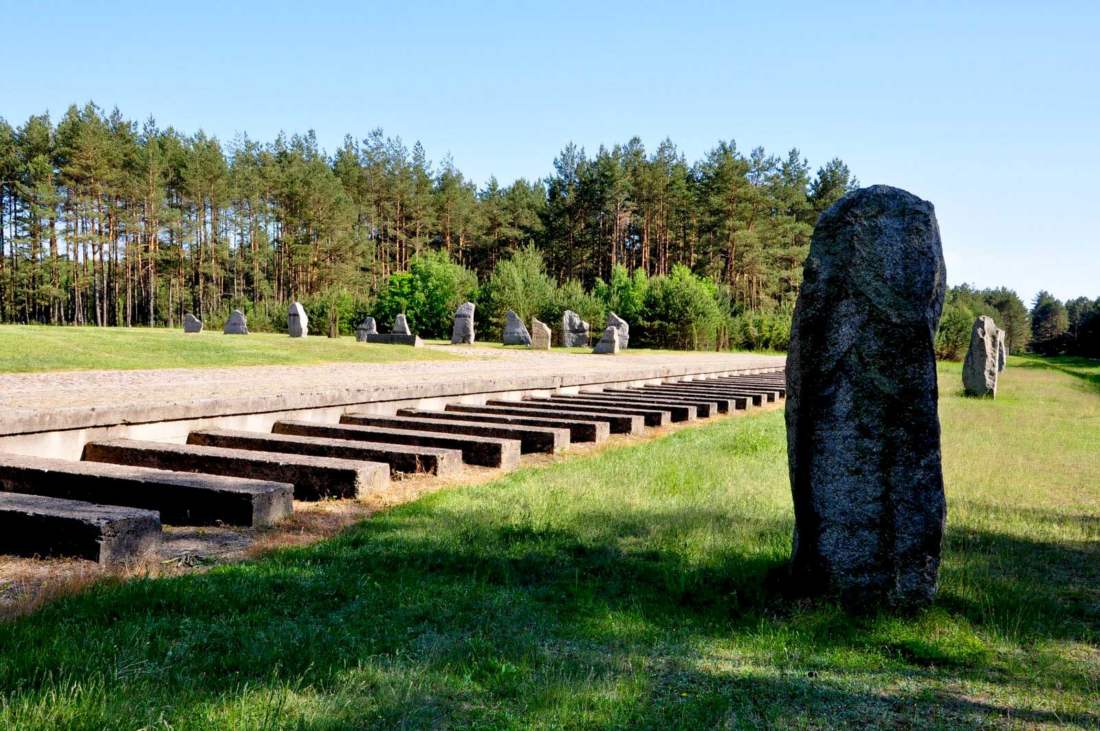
[[401, 325], [574, 330], [237, 324], [297, 321], [540, 335], [191, 324], [982, 363], [863, 433], [1002, 352], [366, 327], [515, 332], [622, 326], [463, 331], [609, 343]]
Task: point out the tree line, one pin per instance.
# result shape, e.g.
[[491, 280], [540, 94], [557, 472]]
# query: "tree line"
[[1049, 327], [108, 221]]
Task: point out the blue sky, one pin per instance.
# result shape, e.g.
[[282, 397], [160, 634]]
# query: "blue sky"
[[991, 110]]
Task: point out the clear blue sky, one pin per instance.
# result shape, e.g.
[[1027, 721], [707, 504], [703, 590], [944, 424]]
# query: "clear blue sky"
[[990, 110]]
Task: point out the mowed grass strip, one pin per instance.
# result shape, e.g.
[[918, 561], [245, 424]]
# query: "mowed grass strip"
[[29, 348], [625, 590]]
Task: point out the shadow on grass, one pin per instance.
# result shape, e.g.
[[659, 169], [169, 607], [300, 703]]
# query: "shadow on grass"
[[1086, 369], [452, 618]]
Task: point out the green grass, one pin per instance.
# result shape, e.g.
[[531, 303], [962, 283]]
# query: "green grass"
[[27, 348], [627, 590]]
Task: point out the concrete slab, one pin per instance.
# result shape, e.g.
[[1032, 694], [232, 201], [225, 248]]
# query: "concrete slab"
[[180, 498], [725, 404], [617, 423], [677, 412], [756, 399], [33, 525], [483, 451], [705, 407], [45, 402], [531, 438], [651, 415], [579, 431], [401, 458], [314, 478]]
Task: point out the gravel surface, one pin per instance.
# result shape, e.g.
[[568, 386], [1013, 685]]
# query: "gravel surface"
[[35, 392]]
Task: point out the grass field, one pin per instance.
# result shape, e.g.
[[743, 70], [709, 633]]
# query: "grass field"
[[627, 590], [27, 348]]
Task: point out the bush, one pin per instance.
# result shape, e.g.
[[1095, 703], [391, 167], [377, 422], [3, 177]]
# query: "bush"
[[518, 283], [953, 335], [761, 330], [428, 294], [624, 294], [680, 311]]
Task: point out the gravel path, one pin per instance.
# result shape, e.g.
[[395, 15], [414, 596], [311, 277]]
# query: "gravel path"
[[23, 394]]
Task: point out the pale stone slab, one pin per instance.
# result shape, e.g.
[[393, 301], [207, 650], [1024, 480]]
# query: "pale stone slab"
[[574, 330], [237, 324], [297, 321], [540, 335], [515, 332], [463, 331], [609, 343]]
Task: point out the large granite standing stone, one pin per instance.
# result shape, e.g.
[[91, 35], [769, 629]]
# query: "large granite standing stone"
[[191, 324], [863, 433], [515, 332], [982, 363], [574, 330], [609, 343], [366, 328], [540, 335], [237, 324], [1002, 351], [297, 321], [401, 325], [463, 330], [622, 326]]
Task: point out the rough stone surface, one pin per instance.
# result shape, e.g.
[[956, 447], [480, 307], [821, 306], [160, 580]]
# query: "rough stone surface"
[[515, 332], [401, 325], [237, 324], [191, 324], [609, 343], [32, 525], [622, 326], [1002, 352], [463, 331], [181, 498], [982, 363], [574, 330], [297, 321], [401, 458], [367, 327], [540, 335], [314, 478], [863, 433]]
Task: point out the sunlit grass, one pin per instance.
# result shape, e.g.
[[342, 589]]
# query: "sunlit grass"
[[27, 348], [625, 590]]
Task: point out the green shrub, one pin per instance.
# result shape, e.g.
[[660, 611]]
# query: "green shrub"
[[624, 293], [428, 294], [517, 283], [571, 296], [680, 311], [953, 335], [762, 330]]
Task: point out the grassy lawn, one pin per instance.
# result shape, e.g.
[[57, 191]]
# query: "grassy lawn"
[[26, 348], [627, 590]]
